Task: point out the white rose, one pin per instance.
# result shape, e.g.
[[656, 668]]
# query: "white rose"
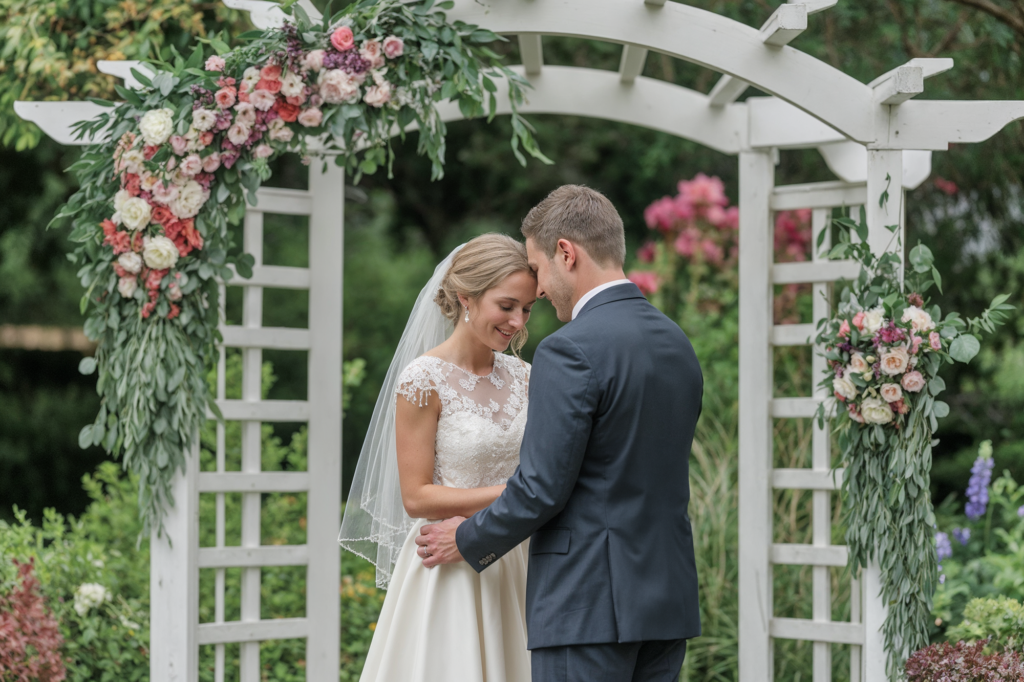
[[245, 113], [278, 130], [858, 364], [919, 319], [121, 197], [159, 252], [130, 261], [127, 286], [844, 387], [132, 160], [891, 392], [874, 319], [876, 411], [336, 86], [292, 85], [190, 200], [238, 133], [203, 119], [135, 213], [192, 164], [157, 125], [895, 361]]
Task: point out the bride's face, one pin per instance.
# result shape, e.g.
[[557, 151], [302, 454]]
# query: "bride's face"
[[500, 312]]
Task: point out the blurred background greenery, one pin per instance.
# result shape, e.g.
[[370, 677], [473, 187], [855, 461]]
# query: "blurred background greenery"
[[970, 214]]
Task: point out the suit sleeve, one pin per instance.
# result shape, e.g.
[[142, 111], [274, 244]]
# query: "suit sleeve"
[[563, 400]]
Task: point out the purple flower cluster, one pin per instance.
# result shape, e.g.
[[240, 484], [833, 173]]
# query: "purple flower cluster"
[[962, 535], [348, 61], [891, 333], [977, 487], [943, 548]]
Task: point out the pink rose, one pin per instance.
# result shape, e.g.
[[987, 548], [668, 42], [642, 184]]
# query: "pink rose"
[[225, 97], [913, 381], [271, 72], [891, 392], [858, 321], [935, 341], [215, 63], [314, 60], [854, 414], [342, 39], [263, 151], [370, 50], [311, 118], [262, 100], [917, 341], [844, 329], [191, 165], [211, 162], [179, 144], [336, 86], [393, 47], [901, 406], [165, 194]]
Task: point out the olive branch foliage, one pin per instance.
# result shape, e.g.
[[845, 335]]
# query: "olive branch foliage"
[[154, 397], [886, 497]]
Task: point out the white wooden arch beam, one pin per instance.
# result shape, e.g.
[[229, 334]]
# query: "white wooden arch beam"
[[696, 36]]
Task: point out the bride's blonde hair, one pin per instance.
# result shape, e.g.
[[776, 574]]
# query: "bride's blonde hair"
[[482, 264]]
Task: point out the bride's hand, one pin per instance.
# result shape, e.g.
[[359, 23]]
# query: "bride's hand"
[[436, 543]]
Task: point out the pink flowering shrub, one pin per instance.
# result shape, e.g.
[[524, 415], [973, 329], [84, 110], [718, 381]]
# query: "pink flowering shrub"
[[962, 662], [695, 256], [30, 639]]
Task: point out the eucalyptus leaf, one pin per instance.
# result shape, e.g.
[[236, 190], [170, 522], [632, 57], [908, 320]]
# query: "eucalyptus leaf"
[[964, 348]]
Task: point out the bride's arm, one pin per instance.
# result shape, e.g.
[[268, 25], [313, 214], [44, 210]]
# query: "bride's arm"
[[416, 429]]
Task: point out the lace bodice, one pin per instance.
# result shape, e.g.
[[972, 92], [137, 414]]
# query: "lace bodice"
[[482, 418]]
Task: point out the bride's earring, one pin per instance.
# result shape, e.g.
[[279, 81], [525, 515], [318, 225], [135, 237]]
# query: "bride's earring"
[[467, 313]]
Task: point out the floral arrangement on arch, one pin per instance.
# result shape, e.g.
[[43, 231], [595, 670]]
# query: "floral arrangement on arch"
[[191, 148], [885, 345]]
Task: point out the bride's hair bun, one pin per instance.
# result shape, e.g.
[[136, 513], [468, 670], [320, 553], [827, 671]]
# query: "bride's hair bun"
[[482, 264]]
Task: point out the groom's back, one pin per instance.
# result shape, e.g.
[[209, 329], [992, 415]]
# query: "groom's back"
[[629, 572]]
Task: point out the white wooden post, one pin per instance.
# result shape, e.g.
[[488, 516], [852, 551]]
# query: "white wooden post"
[[885, 174], [174, 583], [821, 463], [326, 247], [252, 387], [756, 249]]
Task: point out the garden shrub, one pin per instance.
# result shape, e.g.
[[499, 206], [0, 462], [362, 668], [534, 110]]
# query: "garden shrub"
[[999, 622], [962, 662], [30, 638]]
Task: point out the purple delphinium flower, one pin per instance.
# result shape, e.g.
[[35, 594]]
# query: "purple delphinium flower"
[[977, 487], [962, 535], [943, 548]]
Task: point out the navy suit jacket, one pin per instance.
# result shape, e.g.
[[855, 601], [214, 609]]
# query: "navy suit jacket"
[[602, 485]]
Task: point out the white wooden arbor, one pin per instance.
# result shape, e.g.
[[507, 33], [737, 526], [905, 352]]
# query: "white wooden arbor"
[[872, 136]]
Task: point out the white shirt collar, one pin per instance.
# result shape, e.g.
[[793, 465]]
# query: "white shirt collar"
[[594, 292]]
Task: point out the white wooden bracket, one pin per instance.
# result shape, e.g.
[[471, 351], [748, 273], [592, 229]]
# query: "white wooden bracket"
[[269, 14], [790, 20], [123, 70], [531, 49], [726, 91], [907, 81]]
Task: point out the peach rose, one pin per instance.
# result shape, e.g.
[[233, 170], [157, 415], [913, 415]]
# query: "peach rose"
[[858, 364], [225, 97], [895, 361], [891, 392], [913, 381], [310, 118]]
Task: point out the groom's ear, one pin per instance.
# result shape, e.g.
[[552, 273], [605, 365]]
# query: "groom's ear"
[[565, 253]]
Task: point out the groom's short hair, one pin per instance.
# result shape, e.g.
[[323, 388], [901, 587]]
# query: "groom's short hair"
[[583, 216]]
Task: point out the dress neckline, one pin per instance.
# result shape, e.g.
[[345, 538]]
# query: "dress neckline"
[[494, 367]]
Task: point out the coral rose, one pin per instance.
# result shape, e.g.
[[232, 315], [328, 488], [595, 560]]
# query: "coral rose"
[[269, 85], [342, 39], [225, 97], [271, 72], [287, 112]]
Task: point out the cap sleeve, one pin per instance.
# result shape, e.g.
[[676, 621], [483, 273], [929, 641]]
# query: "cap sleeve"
[[418, 381]]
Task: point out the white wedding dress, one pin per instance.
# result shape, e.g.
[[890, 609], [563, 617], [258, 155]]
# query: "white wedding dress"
[[450, 623]]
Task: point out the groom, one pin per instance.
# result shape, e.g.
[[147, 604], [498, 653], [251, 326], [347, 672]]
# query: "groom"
[[602, 487]]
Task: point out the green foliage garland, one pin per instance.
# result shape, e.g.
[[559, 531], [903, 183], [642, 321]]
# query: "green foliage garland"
[[152, 246], [884, 348]]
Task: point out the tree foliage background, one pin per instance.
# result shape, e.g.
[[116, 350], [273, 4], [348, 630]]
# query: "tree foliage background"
[[397, 229]]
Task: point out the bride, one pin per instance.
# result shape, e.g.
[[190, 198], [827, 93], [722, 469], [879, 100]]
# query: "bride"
[[443, 441]]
